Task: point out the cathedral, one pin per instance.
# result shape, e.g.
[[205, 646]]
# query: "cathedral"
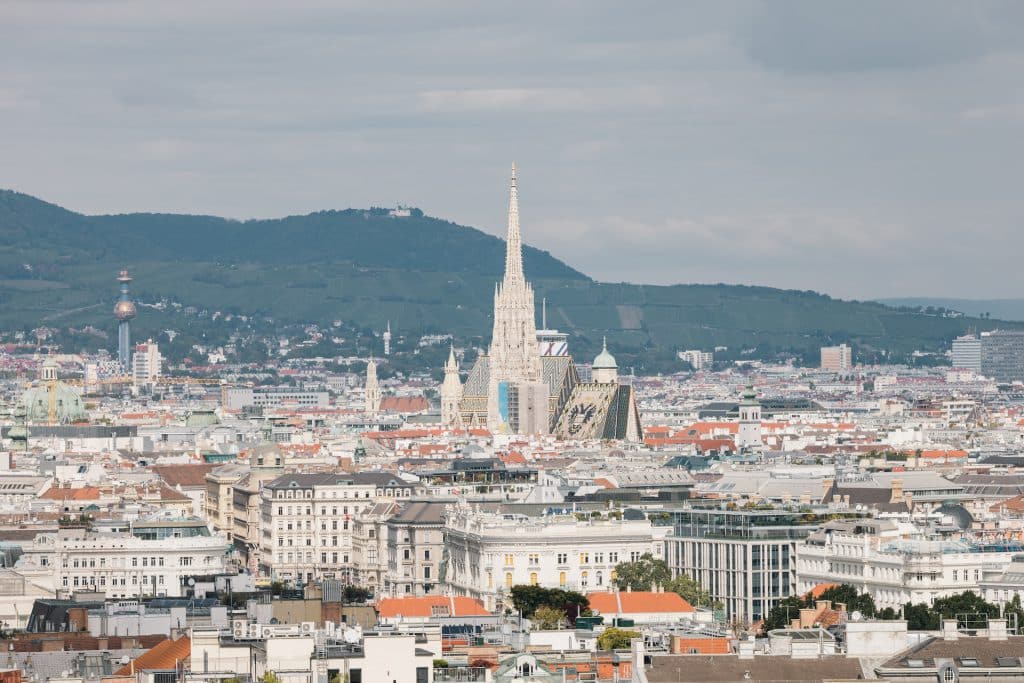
[[527, 383]]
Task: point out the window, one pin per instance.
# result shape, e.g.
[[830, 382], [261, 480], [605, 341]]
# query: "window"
[[584, 579], [534, 558], [533, 578], [426, 554], [510, 560], [561, 579], [426, 572], [584, 558], [563, 558], [508, 579], [599, 558]]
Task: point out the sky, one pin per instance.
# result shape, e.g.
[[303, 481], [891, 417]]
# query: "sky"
[[863, 149]]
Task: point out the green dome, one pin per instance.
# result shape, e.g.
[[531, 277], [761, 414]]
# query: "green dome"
[[36, 403]]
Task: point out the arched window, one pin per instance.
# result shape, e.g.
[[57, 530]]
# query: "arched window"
[[533, 578], [561, 579], [508, 579]]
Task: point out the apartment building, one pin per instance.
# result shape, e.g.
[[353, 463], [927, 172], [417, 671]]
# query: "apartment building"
[[306, 521], [149, 558], [895, 567]]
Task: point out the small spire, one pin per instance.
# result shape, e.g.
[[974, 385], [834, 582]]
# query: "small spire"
[[604, 343], [513, 240]]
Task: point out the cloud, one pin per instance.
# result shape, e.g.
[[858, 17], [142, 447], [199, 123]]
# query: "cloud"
[[855, 148]]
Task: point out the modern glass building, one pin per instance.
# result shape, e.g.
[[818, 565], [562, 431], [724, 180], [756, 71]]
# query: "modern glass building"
[[744, 557], [1002, 355]]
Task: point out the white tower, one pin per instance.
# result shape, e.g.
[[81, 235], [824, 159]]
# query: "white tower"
[[387, 340], [372, 388], [605, 370], [514, 358], [451, 392], [749, 433]]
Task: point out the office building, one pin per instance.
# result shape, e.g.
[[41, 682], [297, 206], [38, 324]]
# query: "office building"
[[836, 358], [146, 364], [743, 558], [967, 353], [1002, 355], [698, 360], [236, 398]]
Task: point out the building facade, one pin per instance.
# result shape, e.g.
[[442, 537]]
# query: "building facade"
[[488, 553], [745, 558], [836, 358], [306, 521], [1002, 355], [966, 353]]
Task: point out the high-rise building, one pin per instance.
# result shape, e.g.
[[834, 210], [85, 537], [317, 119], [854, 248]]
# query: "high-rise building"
[[1002, 355], [836, 358], [387, 340], [124, 311], [146, 364], [513, 357], [967, 352]]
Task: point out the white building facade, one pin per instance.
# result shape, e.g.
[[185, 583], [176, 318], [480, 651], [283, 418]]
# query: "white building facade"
[[488, 553]]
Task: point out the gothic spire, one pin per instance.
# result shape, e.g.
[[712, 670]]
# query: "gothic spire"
[[513, 243]]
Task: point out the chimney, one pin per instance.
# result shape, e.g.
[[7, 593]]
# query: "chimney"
[[997, 629], [808, 615], [949, 630], [897, 491]]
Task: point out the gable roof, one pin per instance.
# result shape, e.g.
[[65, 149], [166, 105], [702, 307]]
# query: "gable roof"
[[425, 607], [638, 602], [163, 657], [186, 476]]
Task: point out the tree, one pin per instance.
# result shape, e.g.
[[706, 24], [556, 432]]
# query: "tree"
[[616, 638], [783, 613], [527, 599], [546, 618], [642, 574], [854, 600], [691, 591], [963, 605], [270, 677], [920, 617]]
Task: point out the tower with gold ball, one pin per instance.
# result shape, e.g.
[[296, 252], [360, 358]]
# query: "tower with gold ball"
[[124, 311]]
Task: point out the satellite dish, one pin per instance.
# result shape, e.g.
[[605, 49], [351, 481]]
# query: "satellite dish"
[[856, 616]]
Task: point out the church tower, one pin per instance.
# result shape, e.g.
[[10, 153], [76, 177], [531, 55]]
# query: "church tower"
[[749, 433], [451, 392], [514, 356], [372, 389]]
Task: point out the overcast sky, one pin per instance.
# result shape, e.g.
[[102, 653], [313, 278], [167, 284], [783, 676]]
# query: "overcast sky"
[[863, 148]]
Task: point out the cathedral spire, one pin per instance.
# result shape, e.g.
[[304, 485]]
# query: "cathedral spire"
[[513, 242]]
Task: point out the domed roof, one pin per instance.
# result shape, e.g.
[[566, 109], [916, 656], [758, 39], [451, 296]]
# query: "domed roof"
[[124, 310], [605, 360], [67, 403]]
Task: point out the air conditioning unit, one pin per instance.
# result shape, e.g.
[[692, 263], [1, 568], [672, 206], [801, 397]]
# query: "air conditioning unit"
[[239, 624], [239, 633], [267, 632], [307, 627], [254, 630]]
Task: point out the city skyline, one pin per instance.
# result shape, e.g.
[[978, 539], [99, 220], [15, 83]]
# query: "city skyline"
[[703, 143]]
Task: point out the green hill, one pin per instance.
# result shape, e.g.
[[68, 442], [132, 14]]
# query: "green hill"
[[425, 275]]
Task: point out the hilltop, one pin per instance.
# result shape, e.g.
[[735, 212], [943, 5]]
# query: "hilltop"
[[424, 274]]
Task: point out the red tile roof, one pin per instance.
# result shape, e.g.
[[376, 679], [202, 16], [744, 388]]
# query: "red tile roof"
[[163, 657], [638, 602], [187, 476], [404, 404], [425, 607]]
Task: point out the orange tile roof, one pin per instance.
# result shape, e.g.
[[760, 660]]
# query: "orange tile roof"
[[638, 602], [83, 493], [404, 404], [820, 589], [424, 606], [163, 657]]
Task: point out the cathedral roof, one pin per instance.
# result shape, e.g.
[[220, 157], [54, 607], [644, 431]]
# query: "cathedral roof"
[[605, 360]]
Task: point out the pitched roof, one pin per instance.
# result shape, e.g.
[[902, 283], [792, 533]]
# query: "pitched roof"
[[404, 404], [186, 476], [163, 657], [82, 493], [638, 602], [431, 605]]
